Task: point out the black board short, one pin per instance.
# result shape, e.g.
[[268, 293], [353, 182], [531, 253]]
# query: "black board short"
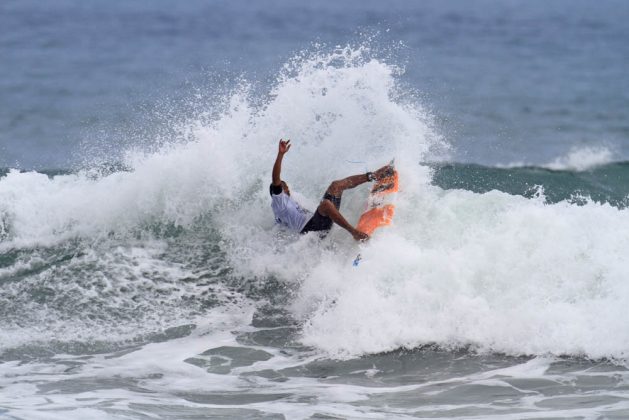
[[318, 222]]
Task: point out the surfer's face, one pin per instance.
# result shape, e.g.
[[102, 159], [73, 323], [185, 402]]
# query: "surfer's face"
[[285, 188]]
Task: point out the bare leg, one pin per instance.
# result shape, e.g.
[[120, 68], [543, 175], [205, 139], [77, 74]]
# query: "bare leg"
[[336, 188], [326, 208]]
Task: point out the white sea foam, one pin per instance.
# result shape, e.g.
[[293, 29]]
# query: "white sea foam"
[[498, 272]]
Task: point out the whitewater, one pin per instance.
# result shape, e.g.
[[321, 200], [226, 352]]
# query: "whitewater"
[[166, 279]]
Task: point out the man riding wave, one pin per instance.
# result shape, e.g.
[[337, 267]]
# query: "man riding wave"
[[291, 215]]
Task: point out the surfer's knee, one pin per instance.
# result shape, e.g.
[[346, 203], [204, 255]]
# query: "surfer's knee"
[[336, 188], [325, 207]]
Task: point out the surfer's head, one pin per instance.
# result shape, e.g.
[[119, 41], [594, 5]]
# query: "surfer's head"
[[285, 188]]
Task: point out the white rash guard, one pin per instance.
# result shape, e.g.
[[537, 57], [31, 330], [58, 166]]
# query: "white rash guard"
[[288, 212]]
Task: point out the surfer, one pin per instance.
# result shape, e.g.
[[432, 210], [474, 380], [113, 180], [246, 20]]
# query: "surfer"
[[290, 214]]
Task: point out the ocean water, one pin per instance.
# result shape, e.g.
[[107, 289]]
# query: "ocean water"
[[141, 273]]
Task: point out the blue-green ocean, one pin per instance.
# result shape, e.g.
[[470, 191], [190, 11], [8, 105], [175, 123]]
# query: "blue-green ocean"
[[142, 275]]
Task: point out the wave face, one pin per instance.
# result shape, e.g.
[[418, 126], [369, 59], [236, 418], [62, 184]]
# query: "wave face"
[[92, 259]]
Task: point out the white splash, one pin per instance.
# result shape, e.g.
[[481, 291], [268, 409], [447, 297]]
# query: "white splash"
[[582, 159]]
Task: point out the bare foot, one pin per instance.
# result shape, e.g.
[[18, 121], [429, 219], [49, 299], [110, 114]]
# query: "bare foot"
[[360, 236]]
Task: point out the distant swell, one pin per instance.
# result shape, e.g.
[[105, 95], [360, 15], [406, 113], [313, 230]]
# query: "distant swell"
[[608, 183]]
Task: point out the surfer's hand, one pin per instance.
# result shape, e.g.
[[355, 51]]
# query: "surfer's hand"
[[284, 146], [360, 236], [382, 172]]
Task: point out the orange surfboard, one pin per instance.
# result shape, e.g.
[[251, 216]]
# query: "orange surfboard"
[[380, 210]]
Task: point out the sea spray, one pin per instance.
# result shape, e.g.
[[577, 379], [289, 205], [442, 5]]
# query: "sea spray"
[[108, 255]]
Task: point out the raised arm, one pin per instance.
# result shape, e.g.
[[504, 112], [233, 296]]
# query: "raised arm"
[[277, 167]]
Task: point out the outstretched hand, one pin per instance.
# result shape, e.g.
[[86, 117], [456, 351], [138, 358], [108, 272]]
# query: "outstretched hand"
[[284, 146]]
